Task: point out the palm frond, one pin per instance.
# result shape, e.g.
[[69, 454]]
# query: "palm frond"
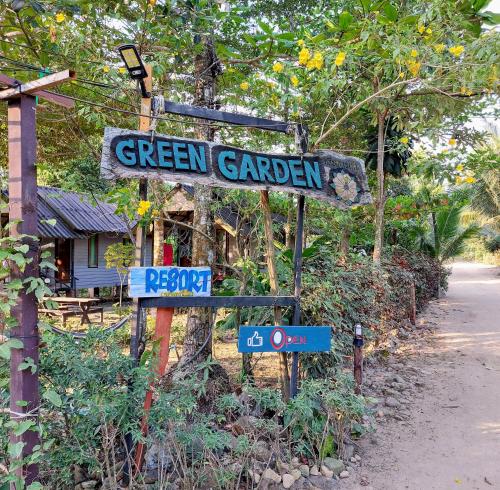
[[456, 244]]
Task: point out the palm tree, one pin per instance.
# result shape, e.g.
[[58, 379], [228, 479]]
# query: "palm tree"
[[486, 199], [447, 237]]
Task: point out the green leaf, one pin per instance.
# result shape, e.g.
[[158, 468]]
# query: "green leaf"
[[366, 5], [345, 20], [265, 27], [15, 284], [51, 222], [53, 397], [410, 20], [390, 12], [7, 346], [490, 18], [24, 426], [22, 248], [16, 449], [35, 486], [28, 363]]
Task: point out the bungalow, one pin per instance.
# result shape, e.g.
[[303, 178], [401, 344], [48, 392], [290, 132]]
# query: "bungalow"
[[229, 226], [77, 229]]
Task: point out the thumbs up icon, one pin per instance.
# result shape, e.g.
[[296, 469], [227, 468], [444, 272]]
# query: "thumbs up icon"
[[255, 340]]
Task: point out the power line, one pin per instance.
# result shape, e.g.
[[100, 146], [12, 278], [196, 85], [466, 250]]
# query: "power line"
[[49, 71], [103, 95]]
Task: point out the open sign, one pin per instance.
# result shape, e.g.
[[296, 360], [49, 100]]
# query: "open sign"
[[284, 339]]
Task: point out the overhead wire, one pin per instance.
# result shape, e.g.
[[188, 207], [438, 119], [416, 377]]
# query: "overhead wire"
[[39, 69]]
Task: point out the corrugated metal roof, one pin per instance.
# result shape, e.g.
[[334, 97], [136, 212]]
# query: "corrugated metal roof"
[[76, 215], [47, 216], [57, 230], [83, 213]]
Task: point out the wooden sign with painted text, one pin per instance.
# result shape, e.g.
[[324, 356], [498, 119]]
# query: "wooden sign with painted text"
[[325, 175], [284, 339], [155, 282]]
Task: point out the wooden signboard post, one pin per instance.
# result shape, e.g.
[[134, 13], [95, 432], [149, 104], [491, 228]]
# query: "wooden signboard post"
[[21, 121]]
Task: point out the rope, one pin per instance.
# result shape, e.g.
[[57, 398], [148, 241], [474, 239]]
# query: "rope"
[[82, 335]]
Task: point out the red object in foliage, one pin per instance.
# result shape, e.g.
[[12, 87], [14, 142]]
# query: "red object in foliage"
[[168, 254]]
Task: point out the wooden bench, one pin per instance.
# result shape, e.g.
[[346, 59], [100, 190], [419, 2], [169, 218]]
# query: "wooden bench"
[[65, 313]]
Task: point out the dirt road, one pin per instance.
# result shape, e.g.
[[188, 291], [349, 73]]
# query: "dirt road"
[[451, 438]]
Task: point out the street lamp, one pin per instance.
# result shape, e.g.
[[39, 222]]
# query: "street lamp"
[[135, 66]]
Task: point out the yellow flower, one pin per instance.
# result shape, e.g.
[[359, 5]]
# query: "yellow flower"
[[460, 167], [294, 80], [452, 141], [122, 69], [401, 74], [143, 207], [456, 50], [105, 69], [278, 67], [439, 48], [470, 180], [421, 28], [404, 140], [428, 30], [458, 180], [304, 56], [339, 60], [301, 43], [463, 90], [152, 2], [414, 67], [414, 53], [60, 17], [244, 85], [318, 60]]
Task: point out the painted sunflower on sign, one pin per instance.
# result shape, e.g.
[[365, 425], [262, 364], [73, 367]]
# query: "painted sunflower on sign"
[[345, 186]]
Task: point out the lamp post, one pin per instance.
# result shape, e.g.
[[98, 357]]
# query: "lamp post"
[[135, 67], [142, 73]]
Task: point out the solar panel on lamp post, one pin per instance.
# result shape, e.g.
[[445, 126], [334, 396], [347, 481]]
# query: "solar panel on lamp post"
[[135, 66]]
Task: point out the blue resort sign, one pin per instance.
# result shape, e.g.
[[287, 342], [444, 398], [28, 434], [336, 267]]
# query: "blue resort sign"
[[154, 282], [324, 175], [284, 339]]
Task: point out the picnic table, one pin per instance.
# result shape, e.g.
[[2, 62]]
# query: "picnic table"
[[69, 306]]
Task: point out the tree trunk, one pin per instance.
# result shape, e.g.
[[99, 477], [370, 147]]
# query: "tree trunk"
[[289, 237], [158, 224], [198, 341], [380, 200], [273, 281]]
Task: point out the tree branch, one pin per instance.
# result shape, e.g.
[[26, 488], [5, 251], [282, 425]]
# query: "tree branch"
[[357, 106]]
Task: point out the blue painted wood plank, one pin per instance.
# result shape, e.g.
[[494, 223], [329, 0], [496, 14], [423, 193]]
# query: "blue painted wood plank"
[[155, 282], [284, 339]]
